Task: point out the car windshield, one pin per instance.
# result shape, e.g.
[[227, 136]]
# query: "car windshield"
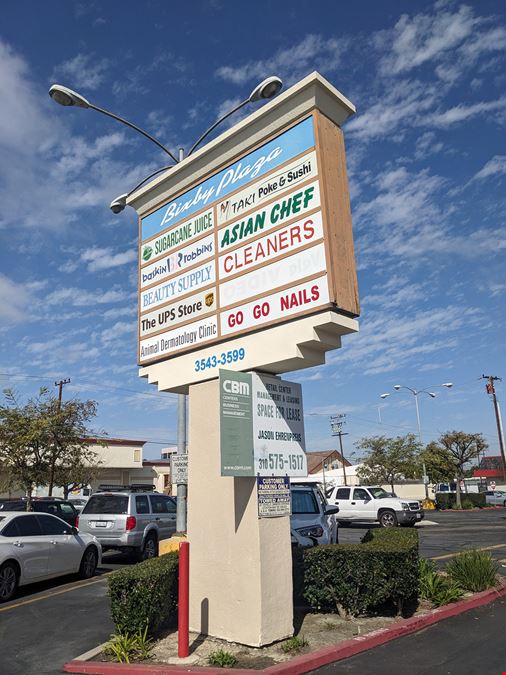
[[107, 504], [378, 493]]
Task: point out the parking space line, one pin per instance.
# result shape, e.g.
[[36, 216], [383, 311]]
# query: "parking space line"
[[50, 595], [482, 548]]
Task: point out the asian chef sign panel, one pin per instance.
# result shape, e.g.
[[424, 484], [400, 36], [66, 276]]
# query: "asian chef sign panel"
[[247, 248]]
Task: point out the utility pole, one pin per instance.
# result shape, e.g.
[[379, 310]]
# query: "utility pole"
[[60, 386], [336, 425], [491, 391]]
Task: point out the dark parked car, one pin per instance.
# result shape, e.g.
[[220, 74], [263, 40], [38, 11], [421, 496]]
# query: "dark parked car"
[[57, 507]]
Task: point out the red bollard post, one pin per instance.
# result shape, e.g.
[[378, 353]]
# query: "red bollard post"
[[183, 614]]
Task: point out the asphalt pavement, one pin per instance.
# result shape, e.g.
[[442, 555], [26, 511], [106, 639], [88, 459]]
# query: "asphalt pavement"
[[471, 643], [50, 623]]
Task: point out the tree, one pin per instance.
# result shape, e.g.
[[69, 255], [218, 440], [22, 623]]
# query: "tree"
[[453, 451], [389, 459], [43, 439]]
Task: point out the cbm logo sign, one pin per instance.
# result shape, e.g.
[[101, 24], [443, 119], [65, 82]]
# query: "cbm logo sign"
[[233, 387]]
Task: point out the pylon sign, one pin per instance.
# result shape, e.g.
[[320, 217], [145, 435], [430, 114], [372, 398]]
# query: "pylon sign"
[[262, 241]]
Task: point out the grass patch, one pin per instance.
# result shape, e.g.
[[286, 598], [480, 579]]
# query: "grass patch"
[[294, 645], [221, 659]]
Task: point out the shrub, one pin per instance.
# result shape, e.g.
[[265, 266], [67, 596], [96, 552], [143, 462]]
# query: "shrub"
[[439, 589], [473, 570], [448, 500], [356, 578], [144, 595], [124, 646], [467, 504], [221, 659], [426, 566], [294, 644]]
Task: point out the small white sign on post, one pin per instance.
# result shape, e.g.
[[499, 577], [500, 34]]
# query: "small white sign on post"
[[179, 469]]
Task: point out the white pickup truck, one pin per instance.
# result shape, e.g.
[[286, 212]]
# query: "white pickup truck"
[[372, 504]]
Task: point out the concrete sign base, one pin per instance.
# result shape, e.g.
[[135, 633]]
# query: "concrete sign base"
[[240, 565]]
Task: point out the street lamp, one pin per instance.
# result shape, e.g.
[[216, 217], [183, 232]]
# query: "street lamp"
[[416, 393], [70, 98]]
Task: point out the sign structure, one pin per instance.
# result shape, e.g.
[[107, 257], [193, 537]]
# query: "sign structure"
[[261, 426], [179, 469], [274, 497], [249, 247]]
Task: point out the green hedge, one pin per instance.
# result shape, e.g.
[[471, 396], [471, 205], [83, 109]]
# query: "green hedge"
[[448, 500], [357, 578], [144, 594]]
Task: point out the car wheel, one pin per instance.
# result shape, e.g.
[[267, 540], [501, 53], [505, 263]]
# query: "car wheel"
[[88, 564], [388, 519], [150, 548], [9, 578]]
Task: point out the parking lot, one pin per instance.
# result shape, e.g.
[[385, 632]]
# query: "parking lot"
[[48, 624]]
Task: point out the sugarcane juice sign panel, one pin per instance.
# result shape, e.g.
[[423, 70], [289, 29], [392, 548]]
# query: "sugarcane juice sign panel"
[[261, 426], [274, 497], [250, 236]]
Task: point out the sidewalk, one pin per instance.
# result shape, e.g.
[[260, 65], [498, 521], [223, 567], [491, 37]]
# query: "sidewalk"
[[472, 643]]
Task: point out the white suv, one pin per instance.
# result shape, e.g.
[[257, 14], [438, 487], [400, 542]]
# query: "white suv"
[[372, 504], [313, 520]]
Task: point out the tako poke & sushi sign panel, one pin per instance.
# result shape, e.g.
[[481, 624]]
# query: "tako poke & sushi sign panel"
[[263, 241]]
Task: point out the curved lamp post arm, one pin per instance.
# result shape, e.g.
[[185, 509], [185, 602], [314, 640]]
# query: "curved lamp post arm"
[[132, 126], [218, 121]]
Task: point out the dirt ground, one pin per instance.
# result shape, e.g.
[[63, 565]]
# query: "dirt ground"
[[318, 630]]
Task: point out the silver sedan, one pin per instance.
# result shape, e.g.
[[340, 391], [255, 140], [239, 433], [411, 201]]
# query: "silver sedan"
[[38, 546], [495, 497]]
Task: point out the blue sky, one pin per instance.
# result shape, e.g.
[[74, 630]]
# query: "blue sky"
[[427, 169]]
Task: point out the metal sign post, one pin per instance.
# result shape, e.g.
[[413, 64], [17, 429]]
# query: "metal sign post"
[[336, 426]]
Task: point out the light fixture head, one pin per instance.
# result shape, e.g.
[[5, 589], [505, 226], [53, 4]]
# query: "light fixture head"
[[432, 395], [67, 97], [447, 384], [397, 387], [384, 395], [266, 89], [118, 204]]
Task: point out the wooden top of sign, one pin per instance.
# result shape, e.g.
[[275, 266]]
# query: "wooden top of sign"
[[313, 92]]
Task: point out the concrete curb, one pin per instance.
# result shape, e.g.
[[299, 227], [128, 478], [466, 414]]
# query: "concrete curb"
[[306, 662]]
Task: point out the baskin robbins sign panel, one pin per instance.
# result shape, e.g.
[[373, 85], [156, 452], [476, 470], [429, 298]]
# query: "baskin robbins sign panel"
[[250, 247]]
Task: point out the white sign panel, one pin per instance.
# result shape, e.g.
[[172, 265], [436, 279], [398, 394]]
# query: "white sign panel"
[[189, 335], [279, 446], [290, 206], [281, 242], [285, 303], [179, 312], [244, 200], [179, 469], [181, 259], [285, 271], [177, 286]]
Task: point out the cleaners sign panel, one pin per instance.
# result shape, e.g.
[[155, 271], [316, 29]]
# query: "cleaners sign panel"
[[245, 249], [261, 426]]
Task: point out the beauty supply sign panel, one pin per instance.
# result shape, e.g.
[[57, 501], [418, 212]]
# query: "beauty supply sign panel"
[[261, 426], [243, 250]]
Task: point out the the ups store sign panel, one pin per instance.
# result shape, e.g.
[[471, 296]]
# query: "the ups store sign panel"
[[262, 241]]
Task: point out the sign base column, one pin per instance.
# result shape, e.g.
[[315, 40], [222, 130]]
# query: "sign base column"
[[241, 566]]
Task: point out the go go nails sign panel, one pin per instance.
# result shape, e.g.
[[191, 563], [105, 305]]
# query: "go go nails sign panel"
[[243, 250]]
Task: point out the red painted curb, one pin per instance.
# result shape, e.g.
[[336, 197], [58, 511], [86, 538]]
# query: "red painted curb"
[[306, 662]]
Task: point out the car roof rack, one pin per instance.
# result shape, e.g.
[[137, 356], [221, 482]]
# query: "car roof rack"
[[134, 487]]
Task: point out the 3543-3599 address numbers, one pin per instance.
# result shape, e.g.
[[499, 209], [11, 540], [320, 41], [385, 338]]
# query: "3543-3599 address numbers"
[[223, 359]]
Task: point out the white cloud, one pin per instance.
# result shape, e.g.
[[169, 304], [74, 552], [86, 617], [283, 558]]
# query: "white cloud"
[[494, 167], [463, 112], [84, 71], [14, 299], [104, 259], [78, 297], [119, 330], [418, 39], [314, 52]]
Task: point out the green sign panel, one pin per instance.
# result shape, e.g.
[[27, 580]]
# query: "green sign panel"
[[236, 427]]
